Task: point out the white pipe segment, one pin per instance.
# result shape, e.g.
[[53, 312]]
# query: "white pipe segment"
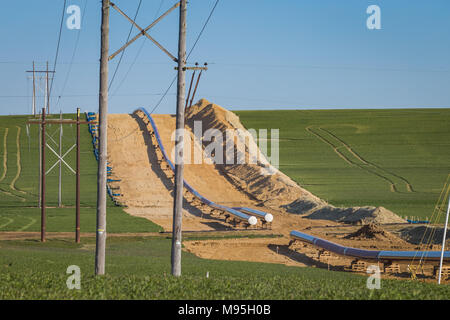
[[252, 220]]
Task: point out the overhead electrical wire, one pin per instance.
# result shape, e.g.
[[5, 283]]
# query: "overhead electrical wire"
[[123, 52], [203, 29], [57, 46], [189, 54], [73, 57], [137, 54]]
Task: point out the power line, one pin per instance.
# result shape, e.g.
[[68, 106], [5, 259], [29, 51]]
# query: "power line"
[[137, 54], [82, 95], [73, 56], [123, 52], [189, 54], [57, 46], [203, 29]]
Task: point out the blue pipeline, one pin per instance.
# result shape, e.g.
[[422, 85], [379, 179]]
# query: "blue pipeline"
[[367, 254]]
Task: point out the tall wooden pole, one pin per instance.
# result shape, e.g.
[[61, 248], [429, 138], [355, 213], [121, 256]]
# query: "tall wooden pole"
[[60, 162], [47, 92], [179, 165], [43, 143], [34, 92], [40, 165], [77, 219], [102, 159]]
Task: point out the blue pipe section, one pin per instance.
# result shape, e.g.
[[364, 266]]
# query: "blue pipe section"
[[418, 221], [367, 254], [232, 211], [92, 127]]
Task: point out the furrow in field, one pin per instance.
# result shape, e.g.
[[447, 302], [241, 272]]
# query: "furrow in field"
[[5, 168], [19, 167], [7, 223], [25, 227], [5, 155], [337, 143], [336, 149], [409, 186]]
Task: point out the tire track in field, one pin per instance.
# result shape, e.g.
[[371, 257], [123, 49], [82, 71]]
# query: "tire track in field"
[[7, 223], [336, 149], [5, 155], [33, 221], [363, 163], [409, 186], [18, 163], [5, 167]]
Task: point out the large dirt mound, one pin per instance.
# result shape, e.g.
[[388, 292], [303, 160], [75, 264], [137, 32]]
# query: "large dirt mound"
[[264, 182], [272, 189]]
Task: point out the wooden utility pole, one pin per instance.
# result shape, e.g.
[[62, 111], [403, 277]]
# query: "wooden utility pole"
[[179, 162], [40, 166], [47, 91], [43, 220], [102, 136], [34, 91], [77, 219], [43, 122], [60, 163]]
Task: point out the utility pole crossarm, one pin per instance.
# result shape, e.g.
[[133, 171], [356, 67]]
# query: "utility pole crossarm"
[[58, 121], [36, 71], [193, 68], [143, 32]]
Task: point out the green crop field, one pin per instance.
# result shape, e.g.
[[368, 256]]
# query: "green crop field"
[[19, 181], [409, 147], [399, 159], [139, 268]]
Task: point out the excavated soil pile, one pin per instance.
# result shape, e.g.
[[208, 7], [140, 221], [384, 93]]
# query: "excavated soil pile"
[[356, 215], [260, 180], [271, 189], [371, 231], [424, 234]]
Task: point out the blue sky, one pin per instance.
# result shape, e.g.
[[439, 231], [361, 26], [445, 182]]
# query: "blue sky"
[[286, 54]]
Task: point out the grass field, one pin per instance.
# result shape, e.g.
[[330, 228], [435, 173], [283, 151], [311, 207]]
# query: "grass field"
[[411, 144], [19, 182], [139, 268], [398, 159]]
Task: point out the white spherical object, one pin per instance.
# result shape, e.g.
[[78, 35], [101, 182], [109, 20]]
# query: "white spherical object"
[[252, 220], [268, 217]]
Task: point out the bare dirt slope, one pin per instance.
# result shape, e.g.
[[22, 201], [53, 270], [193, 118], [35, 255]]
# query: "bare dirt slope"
[[146, 190], [205, 178], [146, 185]]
